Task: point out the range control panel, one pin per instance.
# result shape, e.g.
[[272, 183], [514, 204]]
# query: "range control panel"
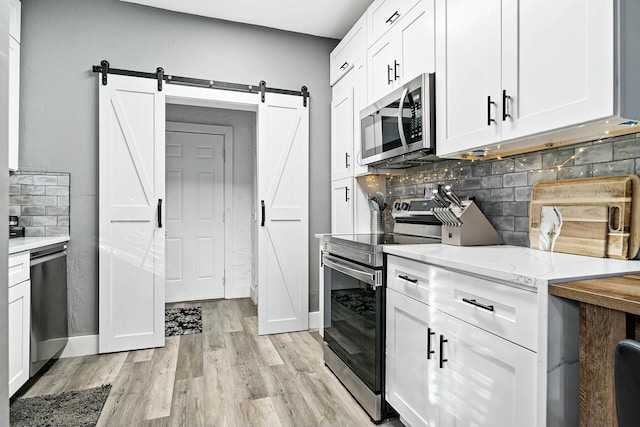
[[412, 207]]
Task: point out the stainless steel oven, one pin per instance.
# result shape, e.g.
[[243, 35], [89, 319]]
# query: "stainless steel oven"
[[354, 314], [354, 323]]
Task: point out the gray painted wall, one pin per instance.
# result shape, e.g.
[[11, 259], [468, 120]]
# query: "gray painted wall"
[[4, 211], [58, 116]]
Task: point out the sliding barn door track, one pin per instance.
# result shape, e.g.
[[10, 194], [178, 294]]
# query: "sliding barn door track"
[[104, 69]]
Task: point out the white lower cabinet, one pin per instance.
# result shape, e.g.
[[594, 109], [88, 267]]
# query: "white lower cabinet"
[[445, 371], [485, 380], [411, 363], [19, 333]]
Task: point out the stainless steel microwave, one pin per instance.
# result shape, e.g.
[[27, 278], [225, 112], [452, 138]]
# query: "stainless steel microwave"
[[401, 126]]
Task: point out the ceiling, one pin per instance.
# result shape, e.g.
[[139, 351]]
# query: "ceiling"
[[324, 18]]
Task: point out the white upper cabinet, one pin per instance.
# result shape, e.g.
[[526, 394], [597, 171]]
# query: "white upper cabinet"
[[351, 48], [384, 15], [508, 70], [557, 61], [467, 73], [343, 123], [15, 18], [14, 82], [402, 53]]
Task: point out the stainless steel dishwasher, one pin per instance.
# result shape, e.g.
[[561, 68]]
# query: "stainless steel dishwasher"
[[49, 325]]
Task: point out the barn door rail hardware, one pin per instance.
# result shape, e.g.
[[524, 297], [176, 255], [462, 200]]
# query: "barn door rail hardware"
[[105, 69]]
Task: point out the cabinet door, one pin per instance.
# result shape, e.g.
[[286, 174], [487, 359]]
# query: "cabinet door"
[[385, 14], [417, 42], [342, 128], [15, 18], [557, 64], [352, 47], [342, 206], [485, 380], [411, 360], [383, 67], [360, 101], [468, 67], [19, 333], [14, 101]]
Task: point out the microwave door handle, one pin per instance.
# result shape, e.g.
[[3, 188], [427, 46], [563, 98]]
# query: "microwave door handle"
[[400, 114]]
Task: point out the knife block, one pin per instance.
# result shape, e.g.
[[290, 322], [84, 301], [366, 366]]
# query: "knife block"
[[475, 230]]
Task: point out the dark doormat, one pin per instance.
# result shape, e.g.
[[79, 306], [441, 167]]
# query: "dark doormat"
[[182, 321], [79, 408]]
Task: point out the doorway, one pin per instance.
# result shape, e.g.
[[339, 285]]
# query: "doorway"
[[197, 177]]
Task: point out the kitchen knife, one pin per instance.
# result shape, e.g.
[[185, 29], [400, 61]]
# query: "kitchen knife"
[[453, 196], [441, 199]]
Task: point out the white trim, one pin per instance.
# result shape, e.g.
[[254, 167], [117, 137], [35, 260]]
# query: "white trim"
[[227, 132], [253, 294], [314, 319], [83, 345]]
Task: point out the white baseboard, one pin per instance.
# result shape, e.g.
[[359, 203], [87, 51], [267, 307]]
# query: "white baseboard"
[[314, 319], [83, 345]]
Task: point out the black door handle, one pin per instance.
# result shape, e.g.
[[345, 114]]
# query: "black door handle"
[[489, 104], [396, 64], [392, 18], [409, 279], [262, 221], [389, 69], [505, 105], [442, 359], [429, 351], [477, 304], [159, 213]]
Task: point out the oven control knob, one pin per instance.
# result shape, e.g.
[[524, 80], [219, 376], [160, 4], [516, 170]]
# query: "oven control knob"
[[404, 206], [396, 206]]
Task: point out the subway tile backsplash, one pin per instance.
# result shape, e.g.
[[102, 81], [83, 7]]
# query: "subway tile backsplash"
[[41, 200], [502, 187]]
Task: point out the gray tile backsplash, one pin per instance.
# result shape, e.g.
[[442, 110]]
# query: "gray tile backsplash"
[[41, 200], [502, 187]]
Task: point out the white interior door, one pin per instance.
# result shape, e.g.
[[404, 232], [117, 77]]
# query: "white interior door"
[[131, 248], [283, 222], [195, 212]]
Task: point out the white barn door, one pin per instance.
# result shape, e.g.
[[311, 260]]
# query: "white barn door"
[[283, 214], [131, 247]]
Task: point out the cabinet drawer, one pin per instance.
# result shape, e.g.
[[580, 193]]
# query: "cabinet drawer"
[[410, 278], [351, 48], [384, 14], [505, 311], [18, 268]]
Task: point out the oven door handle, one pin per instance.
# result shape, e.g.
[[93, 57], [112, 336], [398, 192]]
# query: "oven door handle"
[[370, 276]]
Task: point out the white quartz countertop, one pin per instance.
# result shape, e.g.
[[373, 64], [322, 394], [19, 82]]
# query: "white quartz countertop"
[[523, 266], [21, 244]]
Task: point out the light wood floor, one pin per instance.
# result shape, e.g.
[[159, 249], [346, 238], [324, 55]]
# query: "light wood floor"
[[226, 376]]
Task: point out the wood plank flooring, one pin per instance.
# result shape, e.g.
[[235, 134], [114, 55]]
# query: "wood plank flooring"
[[226, 376]]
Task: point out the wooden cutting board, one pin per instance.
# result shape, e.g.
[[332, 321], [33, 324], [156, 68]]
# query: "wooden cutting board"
[[615, 193], [578, 230]]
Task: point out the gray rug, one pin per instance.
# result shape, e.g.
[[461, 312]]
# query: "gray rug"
[[182, 321], [70, 409]]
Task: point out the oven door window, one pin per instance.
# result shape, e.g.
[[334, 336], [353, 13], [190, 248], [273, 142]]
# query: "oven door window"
[[355, 325]]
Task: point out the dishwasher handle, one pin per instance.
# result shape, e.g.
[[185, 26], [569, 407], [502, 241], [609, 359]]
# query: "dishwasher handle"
[[42, 259]]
